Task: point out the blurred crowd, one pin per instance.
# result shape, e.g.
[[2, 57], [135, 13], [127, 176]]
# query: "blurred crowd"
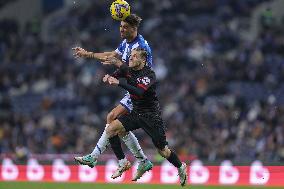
[[4, 2], [221, 94]]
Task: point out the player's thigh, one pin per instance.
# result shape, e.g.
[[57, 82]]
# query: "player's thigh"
[[130, 121], [119, 110], [154, 127]]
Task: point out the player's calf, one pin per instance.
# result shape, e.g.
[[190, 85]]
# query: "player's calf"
[[173, 159], [166, 152]]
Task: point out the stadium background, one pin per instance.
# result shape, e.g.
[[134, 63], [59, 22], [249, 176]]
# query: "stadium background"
[[219, 63]]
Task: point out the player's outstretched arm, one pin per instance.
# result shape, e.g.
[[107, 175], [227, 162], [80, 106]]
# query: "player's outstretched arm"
[[80, 52], [112, 61]]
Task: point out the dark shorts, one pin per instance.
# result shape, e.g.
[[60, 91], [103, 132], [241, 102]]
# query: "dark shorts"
[[153, 125]]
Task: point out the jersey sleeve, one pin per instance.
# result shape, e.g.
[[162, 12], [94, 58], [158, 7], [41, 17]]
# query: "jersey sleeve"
[[120, 72], [119, 49], [116, 74], [130, 88], [146, 82]]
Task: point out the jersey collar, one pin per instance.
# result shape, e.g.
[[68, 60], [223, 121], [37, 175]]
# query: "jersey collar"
[[135, 39]]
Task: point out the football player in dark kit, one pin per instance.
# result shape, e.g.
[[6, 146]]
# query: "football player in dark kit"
[[140, 81]]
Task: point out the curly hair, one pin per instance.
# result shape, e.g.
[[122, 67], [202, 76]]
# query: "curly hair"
[[133, 20]]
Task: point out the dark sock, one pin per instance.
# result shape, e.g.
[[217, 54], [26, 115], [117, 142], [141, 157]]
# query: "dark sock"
[[173, 159], [116, 147]]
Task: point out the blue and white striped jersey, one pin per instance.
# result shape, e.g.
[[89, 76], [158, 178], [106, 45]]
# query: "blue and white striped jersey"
[[124, 49]]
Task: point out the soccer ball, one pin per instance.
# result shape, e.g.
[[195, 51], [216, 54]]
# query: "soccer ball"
[[119, 10]]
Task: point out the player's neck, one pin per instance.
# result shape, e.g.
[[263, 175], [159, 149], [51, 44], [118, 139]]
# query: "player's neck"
[[132, 38], [140, 67]]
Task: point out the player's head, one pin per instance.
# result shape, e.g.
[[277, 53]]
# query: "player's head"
[[129, 27], [138, 58]]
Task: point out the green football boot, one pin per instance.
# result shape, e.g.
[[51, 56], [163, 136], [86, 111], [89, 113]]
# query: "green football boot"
[[143, 167], [86, 160], [121, 169], [182, 174]]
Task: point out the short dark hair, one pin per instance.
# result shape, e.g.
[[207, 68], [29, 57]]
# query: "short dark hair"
[[133, 20], [142, 53]]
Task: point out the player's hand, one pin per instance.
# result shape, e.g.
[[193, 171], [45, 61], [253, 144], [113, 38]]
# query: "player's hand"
[[80, 52], [105, 78], [112, 61], [113, 81]]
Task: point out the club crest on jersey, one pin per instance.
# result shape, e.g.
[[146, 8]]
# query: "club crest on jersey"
[[144, 80]]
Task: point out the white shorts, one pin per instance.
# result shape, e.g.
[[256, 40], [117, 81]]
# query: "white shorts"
[[126, 102]]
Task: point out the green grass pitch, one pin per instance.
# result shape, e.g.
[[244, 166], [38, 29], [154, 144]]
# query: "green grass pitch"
[[29, 185]]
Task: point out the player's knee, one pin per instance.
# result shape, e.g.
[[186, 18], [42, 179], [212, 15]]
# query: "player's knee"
[[122, 133], [111, 130], [114, 129], [108, 131]]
